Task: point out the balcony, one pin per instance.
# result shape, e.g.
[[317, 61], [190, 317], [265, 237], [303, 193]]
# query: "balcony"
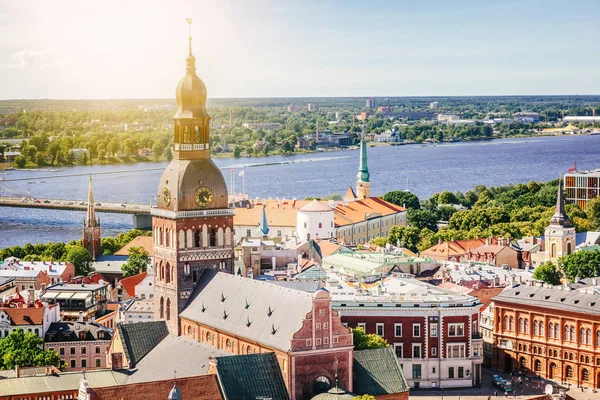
[[476, 336]]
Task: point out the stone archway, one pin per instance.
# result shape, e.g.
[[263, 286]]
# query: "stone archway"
[[552, 371]]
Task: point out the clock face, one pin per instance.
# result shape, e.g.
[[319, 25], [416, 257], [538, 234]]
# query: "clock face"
[[203, 196], [166, 197]]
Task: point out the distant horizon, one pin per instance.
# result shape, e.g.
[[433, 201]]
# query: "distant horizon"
[[70, 49]]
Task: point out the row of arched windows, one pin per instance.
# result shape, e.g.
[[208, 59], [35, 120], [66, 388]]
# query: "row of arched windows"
[[166, 273], [165, 313], [204, 237], [585, 335]]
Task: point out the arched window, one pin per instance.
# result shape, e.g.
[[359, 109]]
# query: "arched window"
[[566, 332], [209, 338], [229, 344], [572, 335], [162, 307], [588, 336], [168, 309], [587, 359], [511, 324], [526, 325], [551, 330], [581, 359], [582, 336], [585, 375], [505, 323], [168, 273], [571, 356], [521, 325], [249, 351], [541, 329], [197, 241], [553, 250], [535, 328], [213, 237], [556, 331], [320, 225], [569, 371], [537, 365], [568, 248], [597, 338]]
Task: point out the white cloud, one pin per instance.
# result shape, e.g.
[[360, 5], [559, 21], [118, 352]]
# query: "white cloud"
[[35, 59]]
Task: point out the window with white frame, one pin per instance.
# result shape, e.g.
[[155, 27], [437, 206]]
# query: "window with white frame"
[[379, 329], [362, 325], [456, 329], [416, 330], [398, 349], [455, 350], [433, 329], [416, 350], [398, 330], [434, 351]]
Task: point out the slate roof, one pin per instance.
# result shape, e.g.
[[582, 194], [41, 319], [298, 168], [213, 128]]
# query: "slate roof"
[[377, 372], [251, 376], [310, 287], [138, 339], [252, 309], [175, 353], [70, 332], [556, 298]]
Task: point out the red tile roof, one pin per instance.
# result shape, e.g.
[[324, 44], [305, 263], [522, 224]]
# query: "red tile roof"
[[453, 248], [131, 282], [25, 316], [203, 387]]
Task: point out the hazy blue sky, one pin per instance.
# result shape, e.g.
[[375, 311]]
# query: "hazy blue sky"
[[259, 48]]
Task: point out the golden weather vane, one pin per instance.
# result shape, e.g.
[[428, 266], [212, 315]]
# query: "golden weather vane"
[[189, 21]]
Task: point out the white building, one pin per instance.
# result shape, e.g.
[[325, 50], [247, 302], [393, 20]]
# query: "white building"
[[34, 319], [138, 311], [145, 289], [315, 221]]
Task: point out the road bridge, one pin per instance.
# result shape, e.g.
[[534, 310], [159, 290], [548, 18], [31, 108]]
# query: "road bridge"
[[140, 212]]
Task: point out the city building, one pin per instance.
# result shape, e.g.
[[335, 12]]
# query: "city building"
[[486, 326], [125, 288], [192, 223], [579, 118], [36, 318], [91, 227], [315, 220], [245, 316], [313, 107], [433, 332], [370, 103], [267, 126], [137, 310], [479, 275], [582, 186], [55, 271], [80, 345], [77, 301], [25, 279], [501, 254], [454, 250], [552, 332], [434, 104]]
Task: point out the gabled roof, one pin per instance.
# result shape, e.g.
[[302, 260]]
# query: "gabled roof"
[[204, 387], [356, 211], [328, 247], [453, 248], [313, 273], [377, 372], [131, 282], [140, 241], [253, 309], [250, 377], [69, 331], [138, 339], [25, 316], [310, 287]]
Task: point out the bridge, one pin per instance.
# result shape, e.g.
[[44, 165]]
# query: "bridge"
[[140, 212]]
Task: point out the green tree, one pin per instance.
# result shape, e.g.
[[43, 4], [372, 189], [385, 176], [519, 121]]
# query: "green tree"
[[423, 219], [157, 150], [21, 161], [25, 349], [447, 197], [548, 273], [81, 259], [402, 199], [581, 264], [364, 341], [237, 151], [137, 262], [592, 210], [379, 241]]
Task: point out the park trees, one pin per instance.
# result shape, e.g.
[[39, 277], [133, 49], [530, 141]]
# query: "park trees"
[[25, 349], [137, 262]]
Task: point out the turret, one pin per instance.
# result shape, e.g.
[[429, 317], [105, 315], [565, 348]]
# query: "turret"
[[363, 186]]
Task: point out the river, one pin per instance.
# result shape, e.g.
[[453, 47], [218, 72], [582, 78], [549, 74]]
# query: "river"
[[424, 169]]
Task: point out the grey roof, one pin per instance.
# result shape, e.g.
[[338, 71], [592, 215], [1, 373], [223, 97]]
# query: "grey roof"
[[138, 339], [110, 266], [186, 356], [377, 372], [5, 280], [582, 238], [251, 376], [310, 287], [64, 381], [252, 309], [76, 287], [70, 331], [556, 298]]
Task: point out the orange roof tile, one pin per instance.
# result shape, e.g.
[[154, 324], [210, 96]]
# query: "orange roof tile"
[[453, 248], [25, 316], [279, 213], [327, 247], [140, 241], [131, 282], [356, 211]]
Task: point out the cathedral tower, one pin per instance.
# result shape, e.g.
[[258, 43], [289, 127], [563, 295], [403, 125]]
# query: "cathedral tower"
[[192, 224], [363, 186], [559, 237], [91, 227]]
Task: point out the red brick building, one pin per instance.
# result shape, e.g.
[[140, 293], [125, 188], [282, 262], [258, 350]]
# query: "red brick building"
[[434, 333], [552, 332]]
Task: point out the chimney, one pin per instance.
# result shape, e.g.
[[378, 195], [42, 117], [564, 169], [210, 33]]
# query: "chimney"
[[577, 279]]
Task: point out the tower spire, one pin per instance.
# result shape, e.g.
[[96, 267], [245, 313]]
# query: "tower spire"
[[91, 227], [560, 217], [90, 220], [263, 227]]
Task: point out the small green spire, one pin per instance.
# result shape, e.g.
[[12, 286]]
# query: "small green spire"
[[363, 169], [263, 227]]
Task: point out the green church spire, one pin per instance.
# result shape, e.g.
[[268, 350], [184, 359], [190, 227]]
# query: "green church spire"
[[363, 169], [263, 227]]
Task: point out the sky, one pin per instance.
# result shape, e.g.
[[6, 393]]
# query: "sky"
[[87, 49]]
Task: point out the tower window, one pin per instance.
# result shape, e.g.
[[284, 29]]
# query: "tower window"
[[197, 239], [196, 134], [213, 237]]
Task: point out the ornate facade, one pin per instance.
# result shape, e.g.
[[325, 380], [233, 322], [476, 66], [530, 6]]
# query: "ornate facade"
[[91, 228], [559, 237], [192, 224], [552, 332]]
